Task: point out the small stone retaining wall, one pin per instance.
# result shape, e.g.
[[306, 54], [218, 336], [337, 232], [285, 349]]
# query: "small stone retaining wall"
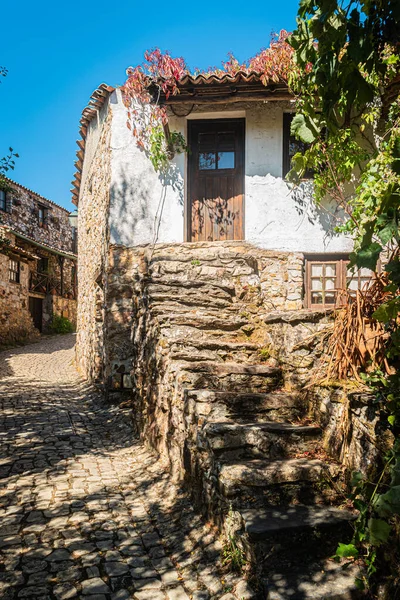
[[276, 284], [354, 432]]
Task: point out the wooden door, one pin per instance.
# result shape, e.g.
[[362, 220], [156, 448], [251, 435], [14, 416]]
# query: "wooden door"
[[36, 310], [215, 209]]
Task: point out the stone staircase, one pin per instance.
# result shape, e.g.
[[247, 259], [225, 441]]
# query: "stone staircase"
[[212, 400]]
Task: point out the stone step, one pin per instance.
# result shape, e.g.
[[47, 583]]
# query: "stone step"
[[195, 257], [187, 300], [230, 376], [191, 293], [271, 440], [179, 318], [222, 269], [244, 407], [214, 344], [214, 288], [263, 473], [215, 350], [260, 524]]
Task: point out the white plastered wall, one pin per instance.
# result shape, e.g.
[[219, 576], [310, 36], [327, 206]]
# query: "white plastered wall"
[[145, 209]]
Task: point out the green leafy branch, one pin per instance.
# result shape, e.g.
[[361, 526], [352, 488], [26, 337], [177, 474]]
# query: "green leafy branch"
[[161, 150], [348, 106]]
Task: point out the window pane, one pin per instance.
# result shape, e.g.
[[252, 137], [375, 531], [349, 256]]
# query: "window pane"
[[226, 160], [330, 298], [352, 284], [14, 270], [330, 284], [226, 141], [316, 298], [207, 142], [2, 200], [207, 161], [316, 270], [365, 272], [330, 269], [316, 284], [365, 282]]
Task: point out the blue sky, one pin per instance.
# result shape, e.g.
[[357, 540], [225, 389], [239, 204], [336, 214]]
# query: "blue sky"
[[57, 53]]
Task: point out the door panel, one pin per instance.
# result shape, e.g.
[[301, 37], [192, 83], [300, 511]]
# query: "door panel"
[[216, 180], [36, 310]]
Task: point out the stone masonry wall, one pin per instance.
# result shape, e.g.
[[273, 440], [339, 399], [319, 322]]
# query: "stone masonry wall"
[[278, 281], [92, 249], [15, 317], [16, 323], [127, 268], [65, 307], [269, 298], [354, 433], [22, 216]]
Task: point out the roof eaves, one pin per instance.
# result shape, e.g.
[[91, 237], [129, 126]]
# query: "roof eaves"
[[32, 241], [221, 87]]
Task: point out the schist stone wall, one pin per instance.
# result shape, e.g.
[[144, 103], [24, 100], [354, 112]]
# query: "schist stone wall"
[[28, 219], [162, 318], [16, 323], [104, 336], [93, 250], [22, 215], [15, 318]]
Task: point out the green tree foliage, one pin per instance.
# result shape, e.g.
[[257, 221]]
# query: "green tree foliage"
[[348, 84]]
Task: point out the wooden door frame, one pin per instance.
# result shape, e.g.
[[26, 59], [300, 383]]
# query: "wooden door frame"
[[187, 217]]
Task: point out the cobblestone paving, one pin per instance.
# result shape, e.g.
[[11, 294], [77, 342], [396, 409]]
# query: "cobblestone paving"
[[86, 511]]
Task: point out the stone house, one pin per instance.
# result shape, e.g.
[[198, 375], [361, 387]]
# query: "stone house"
[[202, 295], [125, 203], [38, 272]]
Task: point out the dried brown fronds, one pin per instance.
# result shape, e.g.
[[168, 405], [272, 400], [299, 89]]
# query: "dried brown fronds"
[[356, 342]]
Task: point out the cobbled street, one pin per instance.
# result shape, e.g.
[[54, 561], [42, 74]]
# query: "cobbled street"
[[86, 511]]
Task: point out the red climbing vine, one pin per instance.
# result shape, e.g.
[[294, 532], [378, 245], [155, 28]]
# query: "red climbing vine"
[[160, 71]]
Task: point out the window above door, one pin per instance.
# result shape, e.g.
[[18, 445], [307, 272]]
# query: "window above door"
[[216, 150]]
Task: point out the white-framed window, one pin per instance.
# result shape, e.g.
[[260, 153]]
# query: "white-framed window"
[[326, 277]]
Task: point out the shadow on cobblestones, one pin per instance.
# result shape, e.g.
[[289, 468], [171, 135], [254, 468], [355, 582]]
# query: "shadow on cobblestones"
[[86, 510]]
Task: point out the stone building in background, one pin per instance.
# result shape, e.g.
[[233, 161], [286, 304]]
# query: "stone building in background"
[[38, 263]]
